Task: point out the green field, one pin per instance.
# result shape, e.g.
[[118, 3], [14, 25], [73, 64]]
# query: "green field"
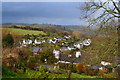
[[23, 32]]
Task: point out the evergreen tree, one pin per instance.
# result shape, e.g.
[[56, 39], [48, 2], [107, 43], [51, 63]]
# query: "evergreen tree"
[[7, 40]]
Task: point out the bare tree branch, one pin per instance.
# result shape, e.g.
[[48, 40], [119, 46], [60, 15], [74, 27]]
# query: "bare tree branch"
[[116, 6], [109, 8]]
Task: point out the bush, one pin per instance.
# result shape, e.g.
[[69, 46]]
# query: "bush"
[[37, 74], [65, 66], [7, 40], [48, 54], [80, 68], [32, 60], [7, 72], [21, 66]]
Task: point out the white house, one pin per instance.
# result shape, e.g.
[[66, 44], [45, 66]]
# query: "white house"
[[63, 62], [54, 41], [105, 63], [37, 41], [55, 38], [27, 41], [70, 48], [56, 53], [67, 37], [79, 45], [63, 43], [69, 55], [87, 42], [50, 41], [43, 41], [78, 54]]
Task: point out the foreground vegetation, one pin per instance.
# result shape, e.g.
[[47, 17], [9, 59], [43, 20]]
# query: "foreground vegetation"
[[7, 73]]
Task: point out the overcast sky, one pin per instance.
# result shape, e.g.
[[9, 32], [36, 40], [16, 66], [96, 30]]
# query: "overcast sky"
[[65, 13]]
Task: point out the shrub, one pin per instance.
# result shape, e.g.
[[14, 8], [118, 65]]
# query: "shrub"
[[21, 66], [7, 72], [102, 72], [37, 74], [7, 40], [32, 59], [65, 66], [80, 68]]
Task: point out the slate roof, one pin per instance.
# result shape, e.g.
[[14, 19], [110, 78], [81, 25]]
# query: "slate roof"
[[97, 67], [65, 57], [37, 49], [64, 48]]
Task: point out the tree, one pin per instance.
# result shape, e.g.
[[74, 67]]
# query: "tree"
[[8, 40], [108, 10]]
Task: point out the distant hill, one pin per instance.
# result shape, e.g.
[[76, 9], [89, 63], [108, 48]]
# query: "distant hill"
[[15, 24], [59, 27]]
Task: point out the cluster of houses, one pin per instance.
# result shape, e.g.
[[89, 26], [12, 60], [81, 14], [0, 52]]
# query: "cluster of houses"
[[70, 57], [77, 45], [86, 42], [67, 58], [62, 58], [36, 41]]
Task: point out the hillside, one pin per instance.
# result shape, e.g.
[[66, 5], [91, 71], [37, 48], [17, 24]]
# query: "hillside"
[[59, 27], [23, 32], [104, 46]]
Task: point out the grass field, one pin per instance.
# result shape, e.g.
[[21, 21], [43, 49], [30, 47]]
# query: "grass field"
[[23, 32]]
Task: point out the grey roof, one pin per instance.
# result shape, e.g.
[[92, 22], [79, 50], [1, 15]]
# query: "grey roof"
[[48, 66], [35, 50], [97, 67], [65, 57], [71, 46], [64, 48], [27, 40]]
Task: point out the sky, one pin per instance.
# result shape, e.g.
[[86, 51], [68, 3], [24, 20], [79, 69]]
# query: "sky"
[[62, 13]]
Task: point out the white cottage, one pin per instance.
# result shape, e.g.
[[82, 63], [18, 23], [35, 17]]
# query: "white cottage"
[[56, 53], [67, 37], [54, 41], [87, 42], [78, 54], [43, 41], [27, 41], [105, 63], [71, 48], [79, 45], [50, 41], [37, 41]]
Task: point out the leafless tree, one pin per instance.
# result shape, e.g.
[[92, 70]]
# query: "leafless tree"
[[105, 11]]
